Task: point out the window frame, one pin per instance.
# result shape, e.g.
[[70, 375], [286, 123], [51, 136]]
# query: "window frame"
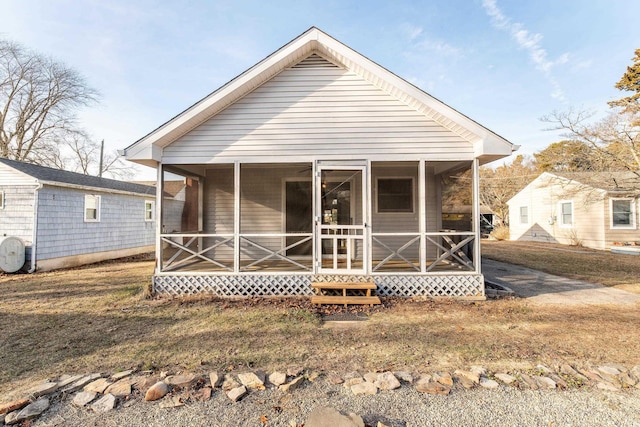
[[98, 203], [396, 178], [520, 216], [152, 210], [561, 203], [632, 214], [1, 199]]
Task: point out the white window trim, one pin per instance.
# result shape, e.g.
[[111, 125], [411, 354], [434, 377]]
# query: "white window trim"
[[561, 216], [631, 226], [1, 199], [98, 208], [153, 210], [413, 195], [520, 221]]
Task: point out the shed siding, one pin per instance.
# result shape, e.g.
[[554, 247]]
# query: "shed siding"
[[316, 112], [63, 232]]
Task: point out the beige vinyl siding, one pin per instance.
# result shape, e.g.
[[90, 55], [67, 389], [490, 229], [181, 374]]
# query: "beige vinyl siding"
[[316, 112]]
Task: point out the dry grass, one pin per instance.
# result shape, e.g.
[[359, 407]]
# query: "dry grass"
[[95, 319], [602, 267]]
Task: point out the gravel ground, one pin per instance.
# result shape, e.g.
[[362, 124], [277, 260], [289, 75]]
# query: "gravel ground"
[[506, 406]]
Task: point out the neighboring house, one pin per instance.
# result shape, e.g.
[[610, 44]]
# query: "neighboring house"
[[596, 210], [67, 219], [317, 164]]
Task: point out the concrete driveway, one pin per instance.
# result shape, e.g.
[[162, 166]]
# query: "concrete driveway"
[[544, 288]]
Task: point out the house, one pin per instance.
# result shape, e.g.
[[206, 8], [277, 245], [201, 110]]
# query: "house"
[[67, 219], [317, 164], [593, 209]]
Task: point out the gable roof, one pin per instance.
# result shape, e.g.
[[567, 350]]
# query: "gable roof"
[[487, 145], [51, 176]]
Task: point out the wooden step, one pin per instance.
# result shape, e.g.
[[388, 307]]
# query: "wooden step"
[[339, 299], [344, 285]]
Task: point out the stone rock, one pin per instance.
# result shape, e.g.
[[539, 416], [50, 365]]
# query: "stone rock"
[[229, 383], [544, 382], [593, 376], [121, 388], [469, 375], [371, 377], [543, 369], [444, 378], [77, 385], [173, 402], [143, 383], [294, 371], [381, 424], [83, 398], [104, 404], [352, 381], [30, 411], [65, 380], [568, 370], [237, 393], [478, 370], [560, 383], [329, 417], [364, 389], [353, 374], [635, 373], [505, 378], [488, 383], [182, 381], [99, 385], [156, 391], [251, 380], [41, 389], [529, 382], [277, 378], [609, 373], [292, 385], [216, 379], [424, 385], [120, 375], [404, 376], [627, 379], [606, 386], [335, 379], [13, 406], [313, 376], [387, 381], [202, 395]]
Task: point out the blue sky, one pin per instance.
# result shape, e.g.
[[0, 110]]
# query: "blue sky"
[[504, 63]]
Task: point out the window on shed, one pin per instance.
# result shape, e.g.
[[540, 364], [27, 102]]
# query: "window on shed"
[[1, 199], [566, 213], [149, 210], [395, 195], [622, 213], [91, 208], [524, 214]]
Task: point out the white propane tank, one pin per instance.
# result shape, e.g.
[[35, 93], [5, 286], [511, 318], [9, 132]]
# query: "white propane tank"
[[11, 254]]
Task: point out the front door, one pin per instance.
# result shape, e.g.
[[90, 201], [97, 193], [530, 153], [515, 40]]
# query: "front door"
[[340, 220]]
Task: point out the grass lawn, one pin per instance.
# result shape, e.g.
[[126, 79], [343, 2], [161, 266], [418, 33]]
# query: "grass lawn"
[[602, 267], [96, 319]]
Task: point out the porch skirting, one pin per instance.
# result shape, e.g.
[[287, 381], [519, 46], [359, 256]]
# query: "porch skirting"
[[467, 286]]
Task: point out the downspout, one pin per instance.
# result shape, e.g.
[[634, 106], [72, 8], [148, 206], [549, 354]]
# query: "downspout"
[[35, 228]]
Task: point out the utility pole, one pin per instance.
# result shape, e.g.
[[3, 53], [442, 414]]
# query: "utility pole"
[[101, 156]]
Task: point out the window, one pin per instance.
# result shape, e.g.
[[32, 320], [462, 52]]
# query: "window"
[[395, 195], [91, 208], [149, 210], [622, 213], [566, 214], [1, 199], [524, 214]]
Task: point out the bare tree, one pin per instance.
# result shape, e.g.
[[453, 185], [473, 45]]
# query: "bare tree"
[[83, 155], [39, 98]]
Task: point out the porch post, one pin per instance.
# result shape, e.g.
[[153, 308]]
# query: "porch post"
[[475, 212], [367, 258], [236, 216], [159, 193], [422, 214], [315, 195]]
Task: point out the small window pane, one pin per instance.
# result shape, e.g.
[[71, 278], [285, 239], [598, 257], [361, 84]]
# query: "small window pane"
[[567, 213], [148, 210], [395, 195], [621, 212], [91, 208], [524, 215]]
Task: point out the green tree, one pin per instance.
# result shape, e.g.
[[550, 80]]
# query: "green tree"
[[566, 156], [630, 82]]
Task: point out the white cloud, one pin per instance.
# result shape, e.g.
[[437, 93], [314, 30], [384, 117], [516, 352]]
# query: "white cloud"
[[531, 42], [411, 31]]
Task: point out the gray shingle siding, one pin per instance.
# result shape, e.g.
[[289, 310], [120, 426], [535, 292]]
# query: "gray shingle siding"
[[62, 230]]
